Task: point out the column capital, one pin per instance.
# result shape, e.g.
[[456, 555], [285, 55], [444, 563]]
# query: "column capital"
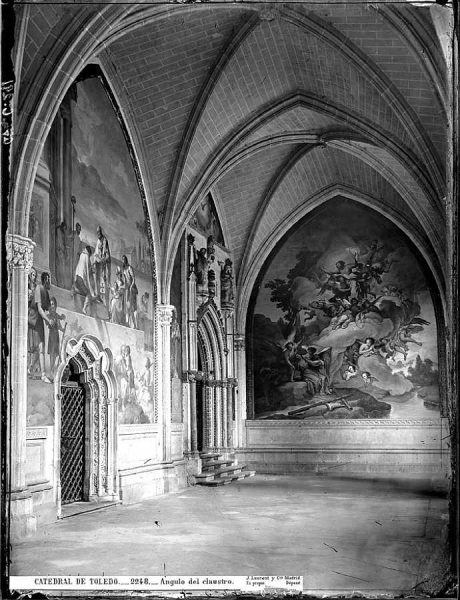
[[239, 342], [19, 252], [165, 314]]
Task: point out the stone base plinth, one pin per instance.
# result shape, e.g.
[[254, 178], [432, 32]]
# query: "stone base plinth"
[[23, 522]]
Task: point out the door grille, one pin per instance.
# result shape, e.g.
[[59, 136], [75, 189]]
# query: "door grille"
[[72, 443]]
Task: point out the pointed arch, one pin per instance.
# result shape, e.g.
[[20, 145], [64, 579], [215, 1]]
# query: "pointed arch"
[[213, 349], [93, 365]]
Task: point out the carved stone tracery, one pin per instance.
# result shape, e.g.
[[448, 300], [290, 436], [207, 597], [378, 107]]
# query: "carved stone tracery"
[[19, 252], [92, 363]]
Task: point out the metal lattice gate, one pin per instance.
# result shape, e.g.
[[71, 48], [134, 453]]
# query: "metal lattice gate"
[[72, 443]]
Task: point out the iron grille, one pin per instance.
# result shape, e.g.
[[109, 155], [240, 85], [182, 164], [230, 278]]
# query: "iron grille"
[[72, 443]]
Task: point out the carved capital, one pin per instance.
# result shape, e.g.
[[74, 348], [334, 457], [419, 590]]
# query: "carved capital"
[[189, 376], [165, 314], [239, 342], [19, 252]]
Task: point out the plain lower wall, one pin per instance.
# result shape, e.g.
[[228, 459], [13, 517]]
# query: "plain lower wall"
[[379, 447]]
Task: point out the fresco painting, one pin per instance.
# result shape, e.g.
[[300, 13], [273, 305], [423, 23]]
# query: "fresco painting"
[[98, 276], [343, 325], [206, 220]]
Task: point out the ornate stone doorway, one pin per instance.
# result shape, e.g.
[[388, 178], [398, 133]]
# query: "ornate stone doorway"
[[86, 425], [213, 390]]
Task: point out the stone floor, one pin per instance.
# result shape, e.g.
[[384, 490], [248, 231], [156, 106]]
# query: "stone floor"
[[341, 534]]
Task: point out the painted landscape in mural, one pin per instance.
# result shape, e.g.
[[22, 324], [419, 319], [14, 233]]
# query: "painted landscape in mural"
[[343, 324], [93, 274]]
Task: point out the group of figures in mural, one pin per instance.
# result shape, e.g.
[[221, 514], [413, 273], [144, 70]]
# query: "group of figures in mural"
[[344, 347], [93, 280]]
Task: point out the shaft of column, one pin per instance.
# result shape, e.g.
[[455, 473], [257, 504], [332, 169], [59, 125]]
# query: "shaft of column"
[[19, 260], [230, 391], [193, 424], [165, 315]]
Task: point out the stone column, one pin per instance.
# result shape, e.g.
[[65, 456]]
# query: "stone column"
[[240, 391], [165, 316], [19, 260], [192, 340]]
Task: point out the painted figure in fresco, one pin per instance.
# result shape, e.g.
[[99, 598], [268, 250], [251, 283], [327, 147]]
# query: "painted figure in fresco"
[[62, 256], [53, 337], [130, 293], [368, 347], [102, 265], [201, 267], [226, 284], [76, 245], [42, 303], [312, 370], [35, 224], [117, 304], [145, 396], [145, 303], [32, 316], [288, 356], [125, 376], [83, 281]]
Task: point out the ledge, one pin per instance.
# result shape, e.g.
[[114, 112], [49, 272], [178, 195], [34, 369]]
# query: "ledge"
[[341, 423]]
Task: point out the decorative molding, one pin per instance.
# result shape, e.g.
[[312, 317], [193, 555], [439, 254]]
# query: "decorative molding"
[[7, 112], [36, 434], [19, 252], [338, 423], [239, 342], [165, 314]]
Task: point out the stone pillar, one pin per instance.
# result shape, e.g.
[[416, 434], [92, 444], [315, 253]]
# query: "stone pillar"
[[19, 259], [192, 344], [165, 316], [193, 424], [240, 391]]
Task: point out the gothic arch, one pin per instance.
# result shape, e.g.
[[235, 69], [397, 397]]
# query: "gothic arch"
[[213, 349], [253, 265], [92, 362]]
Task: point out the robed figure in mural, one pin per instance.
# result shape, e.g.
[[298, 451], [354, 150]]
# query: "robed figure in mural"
[[102, 264], [130, 293], [83, 280]]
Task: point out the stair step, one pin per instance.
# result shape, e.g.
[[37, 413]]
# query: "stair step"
[[206, 466], [226, 480], [206, 455], [218, 472]]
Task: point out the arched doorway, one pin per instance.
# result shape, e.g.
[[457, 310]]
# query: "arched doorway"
[[213, 394], [86, 431], [74, 438]]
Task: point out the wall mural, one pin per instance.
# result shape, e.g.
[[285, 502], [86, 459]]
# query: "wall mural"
[[207, 221], [343, 324], [98, 276]]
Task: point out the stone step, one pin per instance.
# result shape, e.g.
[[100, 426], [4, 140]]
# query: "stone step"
[[226, 480], [207, 455], [221, 472], [208, 465], [216, 464]]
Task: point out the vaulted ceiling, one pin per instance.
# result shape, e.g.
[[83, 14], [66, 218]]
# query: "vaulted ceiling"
[[273, 107]]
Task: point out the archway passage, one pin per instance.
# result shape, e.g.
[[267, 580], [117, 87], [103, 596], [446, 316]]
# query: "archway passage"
[[73, 440]]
